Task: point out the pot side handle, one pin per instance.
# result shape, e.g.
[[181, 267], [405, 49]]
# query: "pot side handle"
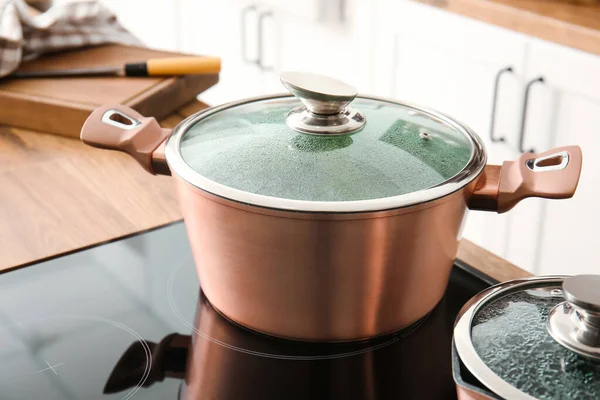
[[118, 127], [553, 175]]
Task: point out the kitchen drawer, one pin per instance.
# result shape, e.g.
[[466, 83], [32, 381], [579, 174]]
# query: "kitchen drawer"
[[450, 31]]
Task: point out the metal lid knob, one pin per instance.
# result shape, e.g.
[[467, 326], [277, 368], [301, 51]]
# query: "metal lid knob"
[[575, 324], [325, 110], [583, 291]]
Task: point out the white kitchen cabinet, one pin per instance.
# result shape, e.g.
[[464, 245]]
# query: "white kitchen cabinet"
[[314, 11], [153, 22], [291, 41], [227, 29], [525, 219], [449, 63], [333, 49], [257, 40], [203, 27], [563, 110]]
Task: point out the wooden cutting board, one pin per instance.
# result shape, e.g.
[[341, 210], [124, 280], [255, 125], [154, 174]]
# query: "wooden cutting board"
[[61, 105]]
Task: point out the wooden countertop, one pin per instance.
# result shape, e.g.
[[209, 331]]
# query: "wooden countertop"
[[58, 195], [571, 23]]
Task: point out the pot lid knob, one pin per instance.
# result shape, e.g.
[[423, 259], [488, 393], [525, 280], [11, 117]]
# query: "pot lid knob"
[[575, 323], [325, 110], [583, 291]]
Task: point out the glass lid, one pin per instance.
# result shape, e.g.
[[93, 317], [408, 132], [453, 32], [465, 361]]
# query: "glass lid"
[[535, 339], [314, 152]]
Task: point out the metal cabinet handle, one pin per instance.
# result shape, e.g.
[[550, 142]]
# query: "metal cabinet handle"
[[494, 101], [260, 60], [524, 114], [244, 14]]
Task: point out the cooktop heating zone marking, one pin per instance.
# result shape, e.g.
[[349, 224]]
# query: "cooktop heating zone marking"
[[51, 367]]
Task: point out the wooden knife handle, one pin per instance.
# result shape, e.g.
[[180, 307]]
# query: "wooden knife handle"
[[175, 66]]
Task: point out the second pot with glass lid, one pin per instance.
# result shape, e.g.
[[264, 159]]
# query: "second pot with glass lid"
[[536, 338], [324, 215]]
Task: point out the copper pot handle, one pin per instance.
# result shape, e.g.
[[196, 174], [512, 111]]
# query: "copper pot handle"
[[553, 175], [118, 127]]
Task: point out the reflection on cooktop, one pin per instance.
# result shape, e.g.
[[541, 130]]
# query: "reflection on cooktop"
[[127, 319], [39, 361]]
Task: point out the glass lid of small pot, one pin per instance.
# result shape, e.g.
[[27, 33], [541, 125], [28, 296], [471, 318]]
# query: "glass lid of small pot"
[[315, 151], [535, 339]]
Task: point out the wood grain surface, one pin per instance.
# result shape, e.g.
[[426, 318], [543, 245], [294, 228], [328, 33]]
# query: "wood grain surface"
[[573, 23], [489, 263], [60, 106], [58, 195]]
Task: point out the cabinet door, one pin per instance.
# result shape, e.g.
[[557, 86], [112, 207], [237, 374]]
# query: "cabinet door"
[[333, 49], [156, 13], [449, 63], [564, 110], [227, 29]]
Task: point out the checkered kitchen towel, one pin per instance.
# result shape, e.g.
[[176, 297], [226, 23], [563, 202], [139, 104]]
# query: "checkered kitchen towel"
[[24, 36]]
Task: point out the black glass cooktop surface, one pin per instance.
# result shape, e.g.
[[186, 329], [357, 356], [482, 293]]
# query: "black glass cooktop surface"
[[127, 319]]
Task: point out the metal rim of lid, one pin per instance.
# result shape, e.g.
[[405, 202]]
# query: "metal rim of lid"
[[471, 170], [462, 333]]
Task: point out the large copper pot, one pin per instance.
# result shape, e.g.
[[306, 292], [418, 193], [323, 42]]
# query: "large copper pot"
[[329, 270]]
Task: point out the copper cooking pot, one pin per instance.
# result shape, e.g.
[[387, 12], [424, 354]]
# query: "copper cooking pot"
[[529, 339], [315, 219]]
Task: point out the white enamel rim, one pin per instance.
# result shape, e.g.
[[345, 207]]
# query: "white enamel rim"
[[462, 334], [471, 171]]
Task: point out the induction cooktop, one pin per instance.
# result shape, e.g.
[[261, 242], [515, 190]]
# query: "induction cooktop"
[[127, 319]]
